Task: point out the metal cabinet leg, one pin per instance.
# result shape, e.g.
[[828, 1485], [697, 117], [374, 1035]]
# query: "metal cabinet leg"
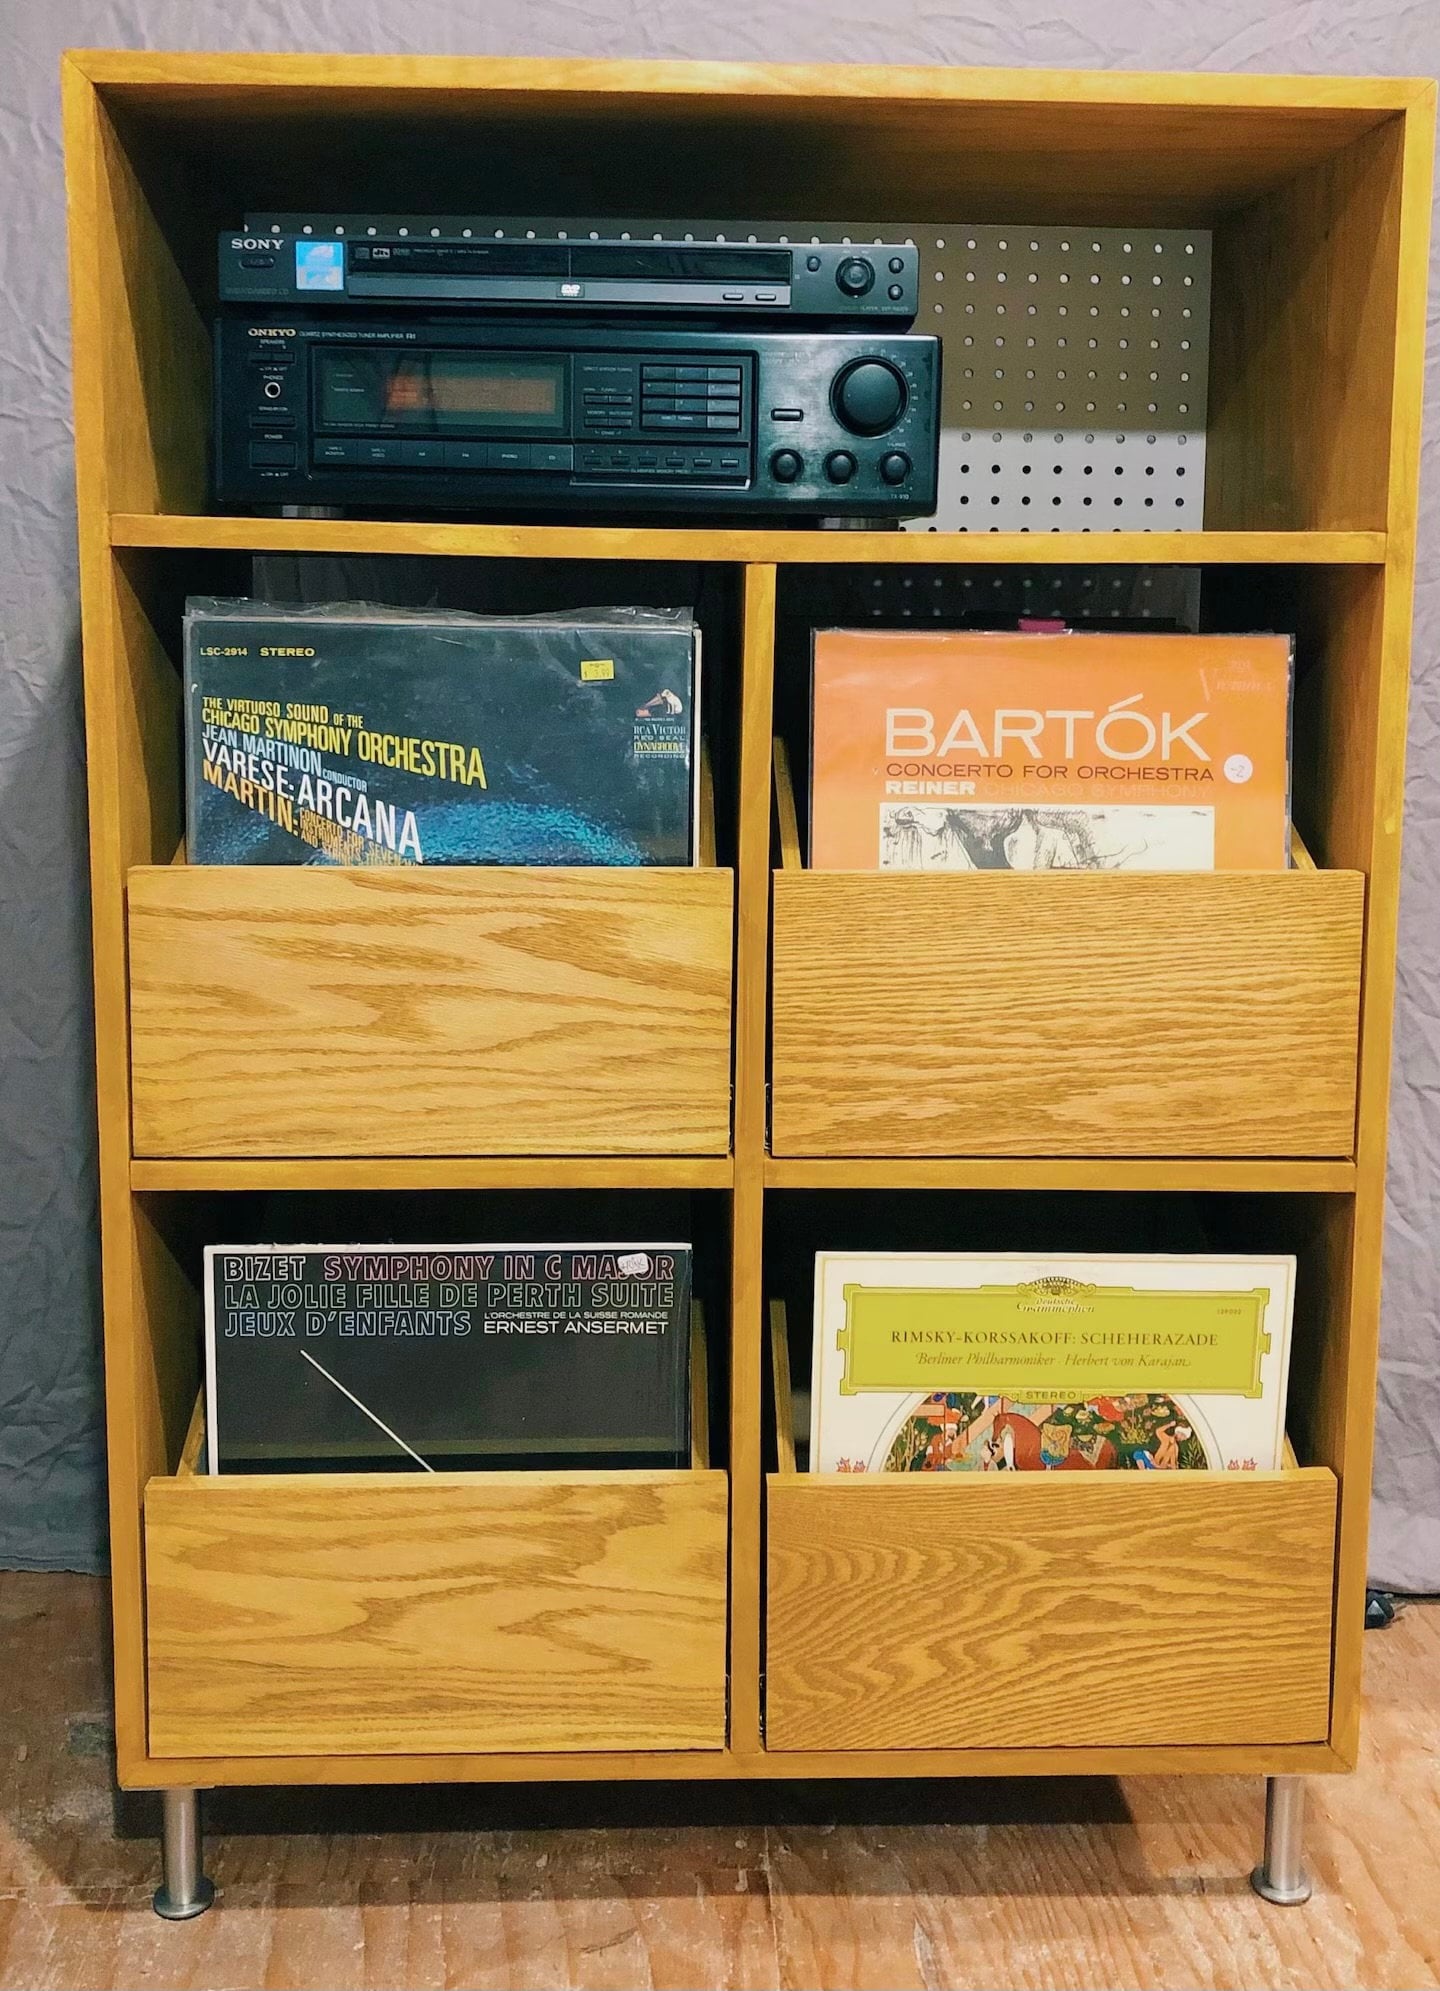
[[183, 1891], [1281, 1876]]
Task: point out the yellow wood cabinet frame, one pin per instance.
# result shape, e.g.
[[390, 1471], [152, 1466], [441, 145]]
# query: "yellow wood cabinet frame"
[[232, 1056]]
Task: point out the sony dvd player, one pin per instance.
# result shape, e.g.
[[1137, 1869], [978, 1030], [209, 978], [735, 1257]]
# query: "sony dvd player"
[[385, 263]]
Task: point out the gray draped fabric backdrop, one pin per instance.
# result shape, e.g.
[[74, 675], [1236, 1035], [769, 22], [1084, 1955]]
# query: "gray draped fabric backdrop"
[[51, 1511]]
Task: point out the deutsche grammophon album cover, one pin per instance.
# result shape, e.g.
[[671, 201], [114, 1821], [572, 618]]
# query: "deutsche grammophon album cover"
[[962, 1362]]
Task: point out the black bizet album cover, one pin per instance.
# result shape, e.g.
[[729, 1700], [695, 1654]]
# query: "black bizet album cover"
[[356, 735], [408, 1358]]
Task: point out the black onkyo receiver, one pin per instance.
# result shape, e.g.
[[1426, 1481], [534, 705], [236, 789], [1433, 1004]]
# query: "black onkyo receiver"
[[407, 408]]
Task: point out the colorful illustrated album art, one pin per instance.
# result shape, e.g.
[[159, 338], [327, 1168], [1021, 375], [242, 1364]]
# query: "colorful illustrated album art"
[[971, 750], [962, 1362]]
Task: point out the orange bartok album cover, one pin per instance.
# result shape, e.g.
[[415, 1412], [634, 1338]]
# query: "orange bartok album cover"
[[961, 750]]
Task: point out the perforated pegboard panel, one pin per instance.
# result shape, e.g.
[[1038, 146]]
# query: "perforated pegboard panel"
[[1166, 597], [1075, 359], [1075, 377]]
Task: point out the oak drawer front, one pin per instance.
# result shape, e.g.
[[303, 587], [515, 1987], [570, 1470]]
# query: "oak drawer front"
[[1020, 1610], [281, 1011], [1075, 1013], [348, 1614]]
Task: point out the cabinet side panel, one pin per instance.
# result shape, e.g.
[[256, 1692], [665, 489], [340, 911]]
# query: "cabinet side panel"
[[1348, 1385], [132, 748], [1302, 347], [747, 1204], [154, 364]]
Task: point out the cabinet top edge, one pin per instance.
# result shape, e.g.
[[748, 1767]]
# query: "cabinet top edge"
[[156, 71]]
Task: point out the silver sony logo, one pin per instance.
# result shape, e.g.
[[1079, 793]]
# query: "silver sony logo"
[[255, 241]]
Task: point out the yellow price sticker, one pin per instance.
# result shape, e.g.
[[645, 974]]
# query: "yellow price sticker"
[[597, 670]]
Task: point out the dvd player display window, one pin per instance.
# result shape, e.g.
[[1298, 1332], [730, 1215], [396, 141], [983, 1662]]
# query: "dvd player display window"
[[433, 392]]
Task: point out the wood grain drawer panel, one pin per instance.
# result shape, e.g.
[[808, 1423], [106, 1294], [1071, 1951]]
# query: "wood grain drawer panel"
[[1050, 1609], [1055, 1014], [459, 1613], [429, 1012]]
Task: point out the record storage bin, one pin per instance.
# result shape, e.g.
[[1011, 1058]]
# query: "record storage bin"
[[1317, 192], [522, 1611]]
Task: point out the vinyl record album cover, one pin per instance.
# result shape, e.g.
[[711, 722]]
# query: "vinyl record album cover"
[[392, 1357], [355, 735], [955, 750], [963, 1362]]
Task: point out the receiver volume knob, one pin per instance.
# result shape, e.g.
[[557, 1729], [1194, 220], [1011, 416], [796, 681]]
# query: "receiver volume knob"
[[869, 396], [786, 465]]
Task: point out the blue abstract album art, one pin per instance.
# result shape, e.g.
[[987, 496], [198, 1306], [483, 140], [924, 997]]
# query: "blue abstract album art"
[[355, 735]]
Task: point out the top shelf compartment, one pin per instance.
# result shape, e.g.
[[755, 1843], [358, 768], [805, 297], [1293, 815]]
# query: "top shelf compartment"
[[1301, 181], [1007, 144]]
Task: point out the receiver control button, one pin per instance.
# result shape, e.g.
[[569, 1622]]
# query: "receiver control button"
[[840, 466], [895, 467], [786, 465], [855, 276], [272, 455], [464, 455], [869, 396], [897, 265]]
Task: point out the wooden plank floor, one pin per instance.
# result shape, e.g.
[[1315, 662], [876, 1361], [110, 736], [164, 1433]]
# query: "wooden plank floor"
[[1009, 1885]]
